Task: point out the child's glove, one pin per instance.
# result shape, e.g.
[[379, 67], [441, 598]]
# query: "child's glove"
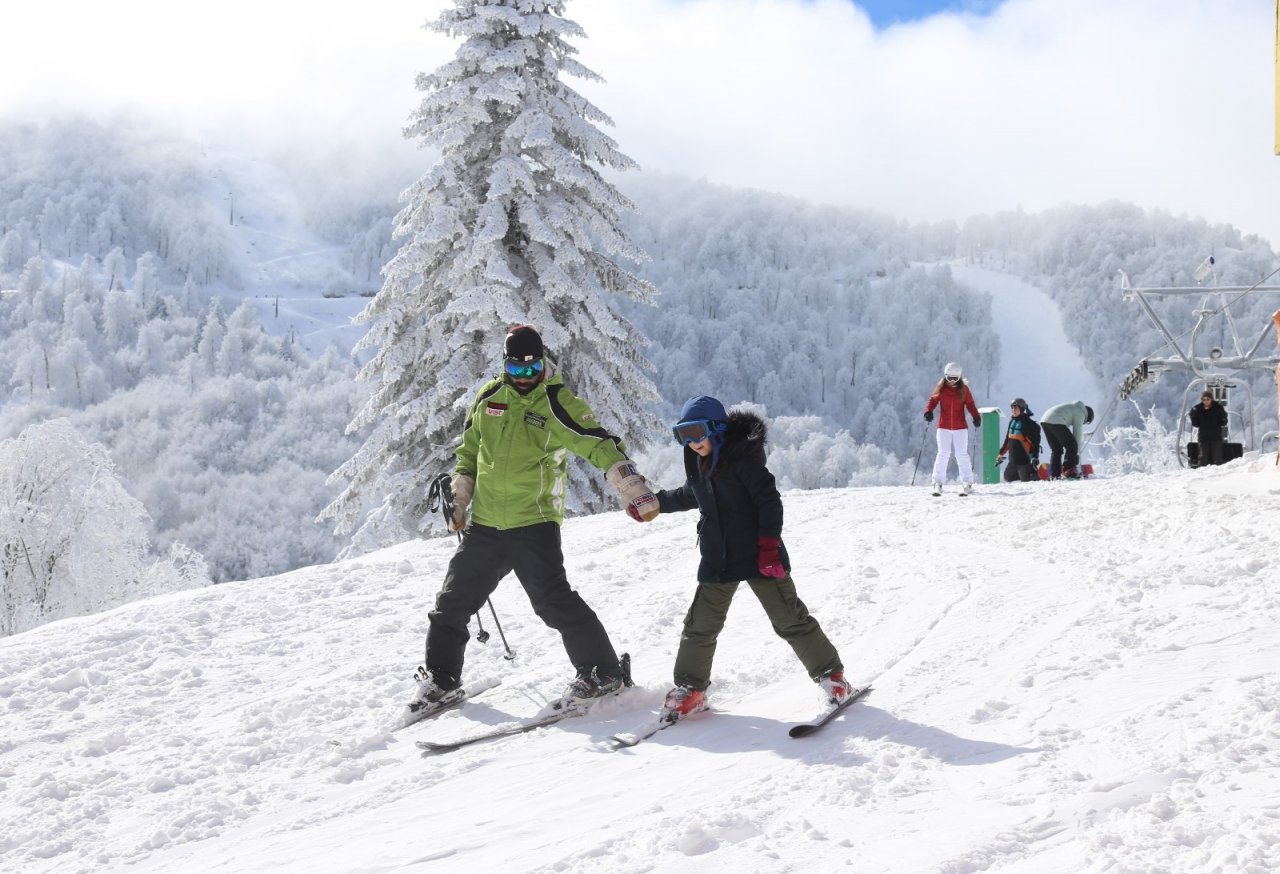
[[770, 559]]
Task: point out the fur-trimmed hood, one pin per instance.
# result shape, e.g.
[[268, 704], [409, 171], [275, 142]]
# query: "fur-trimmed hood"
[[746, 430]]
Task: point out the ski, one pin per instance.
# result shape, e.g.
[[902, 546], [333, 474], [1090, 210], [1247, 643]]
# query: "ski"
[[430, 747], [560, 711], [805, 729], [624, 740], [432, 712]]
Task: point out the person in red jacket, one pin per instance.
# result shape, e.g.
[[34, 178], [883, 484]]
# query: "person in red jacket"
[[952, 398]]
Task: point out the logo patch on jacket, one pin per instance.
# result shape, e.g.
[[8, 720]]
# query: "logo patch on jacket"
[[493, 409], [535, 420]]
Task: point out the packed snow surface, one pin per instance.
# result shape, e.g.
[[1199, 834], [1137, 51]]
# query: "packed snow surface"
[[1069, 677]]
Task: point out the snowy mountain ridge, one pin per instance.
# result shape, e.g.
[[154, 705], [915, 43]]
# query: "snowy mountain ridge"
[[1069, 677]]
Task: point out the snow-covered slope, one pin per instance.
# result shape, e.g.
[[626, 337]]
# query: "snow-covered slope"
[[293, 276], [1037, 361], [1069, 677]]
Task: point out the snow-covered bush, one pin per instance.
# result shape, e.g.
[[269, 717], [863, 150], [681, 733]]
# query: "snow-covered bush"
[[72, 540], [1147, 449]]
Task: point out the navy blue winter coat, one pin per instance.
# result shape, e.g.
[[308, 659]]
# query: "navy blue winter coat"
[[739, 502]]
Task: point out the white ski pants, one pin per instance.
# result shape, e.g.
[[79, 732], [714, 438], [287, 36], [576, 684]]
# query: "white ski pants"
[[956, 442]]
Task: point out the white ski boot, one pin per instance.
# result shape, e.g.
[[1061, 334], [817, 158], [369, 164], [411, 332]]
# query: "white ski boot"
[[937, 488]]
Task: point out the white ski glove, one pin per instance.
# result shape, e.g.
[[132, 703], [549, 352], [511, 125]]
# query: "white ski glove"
[[463, 487], [637, 499]]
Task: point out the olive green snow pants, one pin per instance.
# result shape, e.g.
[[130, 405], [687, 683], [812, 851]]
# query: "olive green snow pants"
[[787, 613]]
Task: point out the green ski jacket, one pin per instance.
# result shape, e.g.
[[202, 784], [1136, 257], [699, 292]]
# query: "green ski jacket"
[[514, 446]]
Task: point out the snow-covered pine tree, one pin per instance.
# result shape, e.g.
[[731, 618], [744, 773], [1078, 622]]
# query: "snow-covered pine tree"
[[514, 224]]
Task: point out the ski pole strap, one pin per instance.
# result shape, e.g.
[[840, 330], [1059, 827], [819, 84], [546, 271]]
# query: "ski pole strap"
[[440, 497]]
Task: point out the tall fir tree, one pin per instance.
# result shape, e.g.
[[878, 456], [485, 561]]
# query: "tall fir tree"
[[515, 224]]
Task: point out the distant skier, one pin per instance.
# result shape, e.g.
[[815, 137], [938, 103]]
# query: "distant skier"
[[1210, 419], [511, 475], [953, 397], [1063, 427], [740, 537], [1021, 444]]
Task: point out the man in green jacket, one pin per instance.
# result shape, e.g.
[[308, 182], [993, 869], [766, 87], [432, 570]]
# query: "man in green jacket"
[[511, 474]]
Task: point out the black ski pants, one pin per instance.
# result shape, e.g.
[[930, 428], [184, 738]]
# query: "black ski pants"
[[1210, 452], [1019, 468], [484, 557], [1061, 441]]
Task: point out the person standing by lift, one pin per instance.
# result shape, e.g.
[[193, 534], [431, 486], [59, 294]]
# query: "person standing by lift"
[[1210, 420]]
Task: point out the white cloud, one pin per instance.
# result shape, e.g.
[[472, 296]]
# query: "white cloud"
[[1165, 103]]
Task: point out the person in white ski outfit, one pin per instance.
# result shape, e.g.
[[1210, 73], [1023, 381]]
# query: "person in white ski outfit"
[[953, 398]]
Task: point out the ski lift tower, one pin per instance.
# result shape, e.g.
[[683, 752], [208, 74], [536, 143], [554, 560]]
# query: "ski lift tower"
[[1208, 365]]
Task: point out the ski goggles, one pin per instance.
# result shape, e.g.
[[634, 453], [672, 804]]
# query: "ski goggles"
[[523, 369], [696, 430]]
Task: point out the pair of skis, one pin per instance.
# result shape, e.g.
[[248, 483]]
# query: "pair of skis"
[[804, 729], [622, 740]]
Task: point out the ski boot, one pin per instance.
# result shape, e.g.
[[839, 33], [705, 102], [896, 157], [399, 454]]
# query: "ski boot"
[[682, 701], [835, 688], [435, 691]]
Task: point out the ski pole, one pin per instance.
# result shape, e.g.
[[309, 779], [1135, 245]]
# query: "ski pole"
[[440, 495], [916, 469], [510, 655]]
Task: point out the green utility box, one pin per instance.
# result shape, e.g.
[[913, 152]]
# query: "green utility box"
[[992, 437]]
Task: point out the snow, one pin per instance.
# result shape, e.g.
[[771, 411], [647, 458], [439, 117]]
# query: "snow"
[[1037, 361], [1069, 677], [285, 267]]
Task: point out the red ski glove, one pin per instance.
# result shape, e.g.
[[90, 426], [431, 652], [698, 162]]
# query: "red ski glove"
[[770, 560]]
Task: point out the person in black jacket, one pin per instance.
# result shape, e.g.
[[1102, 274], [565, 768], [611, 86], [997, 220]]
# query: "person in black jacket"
[[1021, 444], [1210, 419], [740, 538]]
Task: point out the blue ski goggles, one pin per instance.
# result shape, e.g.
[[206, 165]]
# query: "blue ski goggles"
[[523, 369], [697, 430]]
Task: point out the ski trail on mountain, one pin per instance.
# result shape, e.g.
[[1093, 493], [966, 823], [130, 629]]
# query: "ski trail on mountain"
[[1037, 361]]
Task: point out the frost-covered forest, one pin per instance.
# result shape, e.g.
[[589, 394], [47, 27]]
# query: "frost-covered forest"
[[223, 432], [123, 277]]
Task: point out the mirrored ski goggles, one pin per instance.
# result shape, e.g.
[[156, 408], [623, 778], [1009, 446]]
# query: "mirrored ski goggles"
[[523, 369], [696, 430]]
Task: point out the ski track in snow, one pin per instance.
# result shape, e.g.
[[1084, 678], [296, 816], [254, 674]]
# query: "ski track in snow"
[[1069, 677]]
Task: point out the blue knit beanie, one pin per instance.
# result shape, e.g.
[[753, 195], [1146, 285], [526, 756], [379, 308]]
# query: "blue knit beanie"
[[704, 407]]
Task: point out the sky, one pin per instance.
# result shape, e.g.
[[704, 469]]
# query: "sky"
[[979, 107], [1069, 678]]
